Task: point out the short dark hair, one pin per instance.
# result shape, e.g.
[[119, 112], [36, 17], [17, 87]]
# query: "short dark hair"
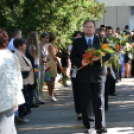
[[3, 38], [126, 27], [44, 34], [109, 28], [18, 42], [52, 37], [15, 32], [89, 21], [118, 28], [102, 26], [97, 31], [76, 33]]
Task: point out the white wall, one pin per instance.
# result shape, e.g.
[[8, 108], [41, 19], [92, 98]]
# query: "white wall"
[[116, 17], [118, 2]]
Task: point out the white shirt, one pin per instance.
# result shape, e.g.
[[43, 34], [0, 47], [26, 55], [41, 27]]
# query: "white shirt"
[[10, 81], [70, 48], [11, 46], [92, 40]]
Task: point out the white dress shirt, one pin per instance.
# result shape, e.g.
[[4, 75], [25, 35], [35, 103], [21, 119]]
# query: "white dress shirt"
[[92, 40], [11, 46]]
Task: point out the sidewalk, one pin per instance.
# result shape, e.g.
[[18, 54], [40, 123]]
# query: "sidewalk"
[[60, 117]]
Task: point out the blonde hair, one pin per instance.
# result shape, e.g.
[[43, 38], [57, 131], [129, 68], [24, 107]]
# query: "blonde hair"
[[32, 42]]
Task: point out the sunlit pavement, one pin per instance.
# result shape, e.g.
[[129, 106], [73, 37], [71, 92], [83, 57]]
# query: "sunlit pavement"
[[60, 118]]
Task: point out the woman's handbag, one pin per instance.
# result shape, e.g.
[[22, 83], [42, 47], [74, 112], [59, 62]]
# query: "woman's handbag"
[[25, 74]]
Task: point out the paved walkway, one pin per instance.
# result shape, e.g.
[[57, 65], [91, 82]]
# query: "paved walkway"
[[60, 118]]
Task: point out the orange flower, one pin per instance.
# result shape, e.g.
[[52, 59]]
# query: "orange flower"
[[117, 47], [104, 46], [36, 70], [133, 45], [88, 55]]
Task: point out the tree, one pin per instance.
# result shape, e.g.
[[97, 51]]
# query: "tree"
[[60, 16]]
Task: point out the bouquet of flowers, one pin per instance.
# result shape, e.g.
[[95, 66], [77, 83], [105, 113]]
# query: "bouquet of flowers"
[[117, 44], [88, 56]]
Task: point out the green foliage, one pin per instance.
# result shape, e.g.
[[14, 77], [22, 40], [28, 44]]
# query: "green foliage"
[[60, 16]]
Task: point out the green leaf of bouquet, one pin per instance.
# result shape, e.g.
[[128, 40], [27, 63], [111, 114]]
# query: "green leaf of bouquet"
[[123, 42], [110, 37], [97, 53], [108, 51], [89, 50], [117, 41]]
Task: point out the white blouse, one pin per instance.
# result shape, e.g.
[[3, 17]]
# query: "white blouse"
[[10, 81]]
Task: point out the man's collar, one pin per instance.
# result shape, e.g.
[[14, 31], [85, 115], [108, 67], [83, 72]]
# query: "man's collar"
[[89, 38]]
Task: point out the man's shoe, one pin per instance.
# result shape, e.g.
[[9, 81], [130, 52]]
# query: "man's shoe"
[[114, 94], [41, 103], [79, 118], [34, 106], [91, 131], [102, 130]]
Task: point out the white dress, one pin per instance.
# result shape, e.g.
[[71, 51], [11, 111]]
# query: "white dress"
[[10, 90]]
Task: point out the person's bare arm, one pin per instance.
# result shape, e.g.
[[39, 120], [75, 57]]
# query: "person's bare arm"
[[53, 54]]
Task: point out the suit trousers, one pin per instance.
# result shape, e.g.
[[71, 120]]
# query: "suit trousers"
[[77, 99], [92, 98], [106, 93]]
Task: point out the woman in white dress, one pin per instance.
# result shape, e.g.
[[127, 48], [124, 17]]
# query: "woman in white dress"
[[10, 86]]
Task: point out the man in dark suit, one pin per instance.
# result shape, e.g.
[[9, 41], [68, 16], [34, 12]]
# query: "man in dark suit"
[[91, 80]]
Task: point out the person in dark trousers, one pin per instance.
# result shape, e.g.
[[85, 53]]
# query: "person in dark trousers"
[[76, 93], [111, 80], [31, 87], [91, 80]]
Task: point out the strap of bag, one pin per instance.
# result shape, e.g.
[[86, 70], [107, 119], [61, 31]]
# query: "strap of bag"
[[25, 61]]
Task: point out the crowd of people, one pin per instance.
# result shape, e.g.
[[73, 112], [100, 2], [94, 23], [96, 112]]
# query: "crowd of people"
[[25, 64], [31, 62]]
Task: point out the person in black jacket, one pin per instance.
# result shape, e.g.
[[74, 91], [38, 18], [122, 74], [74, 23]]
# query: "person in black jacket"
[[91, 80], [32, 87], [76, 93]]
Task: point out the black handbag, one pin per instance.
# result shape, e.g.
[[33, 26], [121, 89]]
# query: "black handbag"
[[25, 74]]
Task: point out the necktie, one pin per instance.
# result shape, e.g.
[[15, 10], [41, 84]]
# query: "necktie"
[[89, 43]]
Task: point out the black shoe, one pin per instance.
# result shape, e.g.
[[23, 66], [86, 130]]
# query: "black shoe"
[[41, 103], [79, 118], [34, 106], [102, 130], [114, 94]]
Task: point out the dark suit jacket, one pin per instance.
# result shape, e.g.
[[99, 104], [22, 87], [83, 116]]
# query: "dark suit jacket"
[[91, 73]]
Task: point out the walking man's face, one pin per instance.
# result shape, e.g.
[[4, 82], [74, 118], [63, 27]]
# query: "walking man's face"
[[89, 29]]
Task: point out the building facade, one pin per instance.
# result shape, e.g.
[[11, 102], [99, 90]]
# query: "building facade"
[[119, 13]]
